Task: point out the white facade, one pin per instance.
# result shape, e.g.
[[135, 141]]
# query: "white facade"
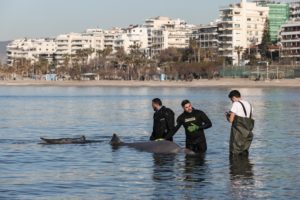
[[30, 49], [158, 40], [179, 37], [207, 38], [294, 10], [69, 44], [240, 26], [110, 36], [164, 32], [164, 22], [131, 36], [153, 36]]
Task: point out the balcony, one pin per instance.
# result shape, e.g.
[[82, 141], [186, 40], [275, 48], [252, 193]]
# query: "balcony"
[[225, 35]]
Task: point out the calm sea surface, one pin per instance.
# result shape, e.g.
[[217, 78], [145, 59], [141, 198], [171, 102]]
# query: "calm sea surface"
[[29, 170]]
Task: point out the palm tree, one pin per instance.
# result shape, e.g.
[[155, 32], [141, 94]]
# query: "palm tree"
[[22, 66], [135, 59], [42, 66], [196, 50], [66, 60], [83, 55], [102, 55], [120, 56], [239, 50]]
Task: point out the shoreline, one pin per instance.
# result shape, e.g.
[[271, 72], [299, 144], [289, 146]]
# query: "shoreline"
[[224, 82]]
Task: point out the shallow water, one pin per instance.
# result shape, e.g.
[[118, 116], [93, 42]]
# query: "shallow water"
[[29, 170]]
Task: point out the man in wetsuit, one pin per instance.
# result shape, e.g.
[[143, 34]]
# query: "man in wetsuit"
[[163, 120], [194, 122]]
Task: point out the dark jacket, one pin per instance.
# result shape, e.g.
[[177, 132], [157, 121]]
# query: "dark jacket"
[[194, 124], [163, 123]]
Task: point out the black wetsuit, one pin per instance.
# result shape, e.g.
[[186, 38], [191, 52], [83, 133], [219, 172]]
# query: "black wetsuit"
[[163, 123], [194, 124]]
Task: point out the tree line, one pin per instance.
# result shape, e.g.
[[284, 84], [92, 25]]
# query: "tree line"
[[176, 64]]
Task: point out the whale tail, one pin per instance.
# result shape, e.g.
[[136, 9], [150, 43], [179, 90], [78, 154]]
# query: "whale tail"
[[115, 140]]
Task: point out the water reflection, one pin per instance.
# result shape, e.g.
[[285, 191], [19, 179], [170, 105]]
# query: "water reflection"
[[195, 168], [163, 167], [241, 177]]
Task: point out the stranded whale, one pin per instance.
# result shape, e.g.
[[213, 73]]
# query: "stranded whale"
[[163, 147]]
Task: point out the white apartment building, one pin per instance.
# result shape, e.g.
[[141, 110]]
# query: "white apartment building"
[[158, 40], [207, 38], [164, 22], [294, 10], [30, 49], [179, 37], [110, 36], [69, 44], [290, 40], [133, 35], [164, 32], [155, 35], [240, 26]]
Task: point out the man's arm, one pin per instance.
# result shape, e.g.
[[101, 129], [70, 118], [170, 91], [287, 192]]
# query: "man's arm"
[[152, 137], [231, 114], [206, 121], [231, 117], [170, 121], [172, 132]]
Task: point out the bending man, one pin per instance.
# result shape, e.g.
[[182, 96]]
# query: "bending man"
[[242, 124], [194, 122], [163, 120]]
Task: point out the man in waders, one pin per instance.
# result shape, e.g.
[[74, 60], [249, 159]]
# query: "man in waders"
[[194, 122], [163, 120], [242, 124]]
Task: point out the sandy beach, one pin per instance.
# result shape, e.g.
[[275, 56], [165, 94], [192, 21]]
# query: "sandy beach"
[[195, 83]]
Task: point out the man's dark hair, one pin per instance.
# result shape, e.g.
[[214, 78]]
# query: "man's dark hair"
[[184, 102], [157, 101], [234, 93]]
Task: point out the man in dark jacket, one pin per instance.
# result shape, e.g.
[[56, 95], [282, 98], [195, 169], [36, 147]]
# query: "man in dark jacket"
[[163, 120], [194, 122]]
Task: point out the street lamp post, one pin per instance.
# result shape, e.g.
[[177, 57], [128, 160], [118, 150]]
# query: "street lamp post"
[[277, 74], [267, 79]]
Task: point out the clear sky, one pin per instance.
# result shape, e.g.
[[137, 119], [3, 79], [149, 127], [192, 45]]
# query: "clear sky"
[[48, 18]]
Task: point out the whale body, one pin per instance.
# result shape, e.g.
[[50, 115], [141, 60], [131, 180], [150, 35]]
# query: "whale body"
[[78, 140], [161, 147]]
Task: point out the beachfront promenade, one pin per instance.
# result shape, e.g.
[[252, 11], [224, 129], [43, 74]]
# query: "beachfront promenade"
[[223, 82]]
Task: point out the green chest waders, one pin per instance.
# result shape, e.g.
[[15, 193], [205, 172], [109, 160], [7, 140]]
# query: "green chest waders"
[[241, 133]]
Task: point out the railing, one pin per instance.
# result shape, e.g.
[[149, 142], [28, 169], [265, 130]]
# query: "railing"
[[260, 72]]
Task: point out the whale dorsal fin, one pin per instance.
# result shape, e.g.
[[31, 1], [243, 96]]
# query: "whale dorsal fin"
[[115, 140]]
